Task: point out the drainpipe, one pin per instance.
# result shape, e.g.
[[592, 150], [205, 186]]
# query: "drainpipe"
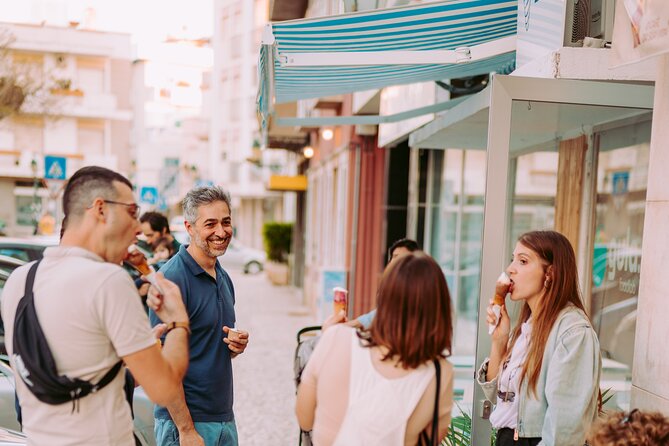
[[354, 228]]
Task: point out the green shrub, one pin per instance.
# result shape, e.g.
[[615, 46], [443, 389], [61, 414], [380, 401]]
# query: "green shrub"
[[277, 238]]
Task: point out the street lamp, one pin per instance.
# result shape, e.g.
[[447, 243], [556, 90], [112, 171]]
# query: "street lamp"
[[327, 134], [308, 152]]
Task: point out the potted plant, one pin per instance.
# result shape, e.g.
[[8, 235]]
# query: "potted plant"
[[277, 238], [63, 87]]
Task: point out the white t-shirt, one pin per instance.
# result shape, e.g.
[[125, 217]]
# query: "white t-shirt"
[[508, 383], [92, 316]]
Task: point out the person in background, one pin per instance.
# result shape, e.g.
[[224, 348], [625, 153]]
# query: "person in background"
[[543, 376], [156, 226], [163, 250], [634, 428], [398, 249], [380, 388], [401, 247]]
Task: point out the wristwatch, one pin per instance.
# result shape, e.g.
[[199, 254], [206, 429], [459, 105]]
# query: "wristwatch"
[[172, 325]]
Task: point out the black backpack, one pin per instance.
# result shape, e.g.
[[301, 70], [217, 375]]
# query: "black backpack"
[[34, 361]]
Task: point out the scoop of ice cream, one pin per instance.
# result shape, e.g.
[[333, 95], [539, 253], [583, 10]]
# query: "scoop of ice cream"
[[502, 287]]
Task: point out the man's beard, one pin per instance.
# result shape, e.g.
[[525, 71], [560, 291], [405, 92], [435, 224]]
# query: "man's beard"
[[207, 247]]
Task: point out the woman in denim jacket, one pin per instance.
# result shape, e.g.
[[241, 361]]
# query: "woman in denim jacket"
[[543, 376]]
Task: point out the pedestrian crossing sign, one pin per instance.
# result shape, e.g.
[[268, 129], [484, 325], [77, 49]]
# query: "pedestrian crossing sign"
[[55, 167], [148, 194]]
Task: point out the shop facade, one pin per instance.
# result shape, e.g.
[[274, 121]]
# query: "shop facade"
[[564, 143]]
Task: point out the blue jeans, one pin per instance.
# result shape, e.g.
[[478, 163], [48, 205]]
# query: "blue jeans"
[[213, 433]]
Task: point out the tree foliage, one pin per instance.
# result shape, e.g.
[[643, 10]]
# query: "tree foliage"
[[19, 85]]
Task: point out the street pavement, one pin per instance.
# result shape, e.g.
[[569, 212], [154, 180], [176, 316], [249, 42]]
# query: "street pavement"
[[263, 376]]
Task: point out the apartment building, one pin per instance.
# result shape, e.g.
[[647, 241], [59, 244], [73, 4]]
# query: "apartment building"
[[236, 159], [172, 110], [81, 117]]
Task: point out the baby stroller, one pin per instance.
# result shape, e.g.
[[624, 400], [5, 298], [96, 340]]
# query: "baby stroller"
[[307, 338]]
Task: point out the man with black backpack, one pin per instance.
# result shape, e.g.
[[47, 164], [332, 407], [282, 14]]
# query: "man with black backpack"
[[73, 318]]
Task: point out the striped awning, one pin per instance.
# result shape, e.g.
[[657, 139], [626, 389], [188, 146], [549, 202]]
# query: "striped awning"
[[326, 56]]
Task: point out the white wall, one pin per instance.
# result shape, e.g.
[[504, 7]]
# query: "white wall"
[[650, 387], [60, 136]]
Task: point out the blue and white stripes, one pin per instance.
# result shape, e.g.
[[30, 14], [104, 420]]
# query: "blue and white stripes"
[[444, 25]]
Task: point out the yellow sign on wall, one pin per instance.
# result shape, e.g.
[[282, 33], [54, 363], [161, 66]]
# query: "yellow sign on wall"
[[296, 183]]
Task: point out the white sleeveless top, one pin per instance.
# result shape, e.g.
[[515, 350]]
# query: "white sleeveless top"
[[379, 408]]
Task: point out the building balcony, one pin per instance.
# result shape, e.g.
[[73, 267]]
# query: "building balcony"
[[78, 104], [66, 92], [18, 165]]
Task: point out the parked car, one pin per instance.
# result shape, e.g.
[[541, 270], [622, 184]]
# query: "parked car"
[[142, 407], [238, 256], [7, 265], [26, 249]]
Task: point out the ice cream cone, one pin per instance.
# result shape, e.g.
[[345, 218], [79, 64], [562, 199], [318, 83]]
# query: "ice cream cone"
[[501, 289]]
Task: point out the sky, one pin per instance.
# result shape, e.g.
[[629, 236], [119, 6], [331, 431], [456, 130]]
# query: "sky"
[[148, 21]]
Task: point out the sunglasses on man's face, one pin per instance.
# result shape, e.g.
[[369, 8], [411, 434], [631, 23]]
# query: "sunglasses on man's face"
[[133, 208]]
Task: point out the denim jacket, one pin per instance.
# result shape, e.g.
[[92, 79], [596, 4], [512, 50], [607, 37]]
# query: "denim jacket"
[[566, 400]]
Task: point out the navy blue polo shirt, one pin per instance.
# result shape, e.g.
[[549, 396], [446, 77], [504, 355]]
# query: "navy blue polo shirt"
[[210, 306]]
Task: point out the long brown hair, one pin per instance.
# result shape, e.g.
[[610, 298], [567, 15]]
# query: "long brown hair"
[[413, 319], [560, 290]]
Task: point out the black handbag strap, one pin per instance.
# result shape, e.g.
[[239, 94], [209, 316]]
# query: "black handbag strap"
[[30, 280], [424, 439]]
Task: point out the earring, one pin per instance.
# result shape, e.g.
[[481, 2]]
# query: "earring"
[[547, 283]]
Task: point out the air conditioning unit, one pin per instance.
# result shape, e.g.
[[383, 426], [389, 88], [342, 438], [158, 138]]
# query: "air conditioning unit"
[[588, 18]]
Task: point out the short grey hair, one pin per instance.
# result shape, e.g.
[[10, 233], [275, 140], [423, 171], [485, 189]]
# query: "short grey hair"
[[202, 196]]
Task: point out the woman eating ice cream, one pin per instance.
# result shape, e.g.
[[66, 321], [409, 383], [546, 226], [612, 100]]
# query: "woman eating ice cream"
[[544, 374]]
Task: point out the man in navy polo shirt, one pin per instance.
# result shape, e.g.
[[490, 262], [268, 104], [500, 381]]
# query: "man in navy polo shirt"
[[203, 415]]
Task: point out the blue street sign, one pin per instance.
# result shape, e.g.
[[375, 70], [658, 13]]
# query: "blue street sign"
[[148, 195], [162, 204], [55, 167]]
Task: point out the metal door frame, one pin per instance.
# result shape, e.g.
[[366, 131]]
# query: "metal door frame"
[[497, 213]]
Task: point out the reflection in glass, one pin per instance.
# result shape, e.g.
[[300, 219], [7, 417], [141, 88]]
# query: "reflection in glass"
[[535, 191], [622, 176]]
